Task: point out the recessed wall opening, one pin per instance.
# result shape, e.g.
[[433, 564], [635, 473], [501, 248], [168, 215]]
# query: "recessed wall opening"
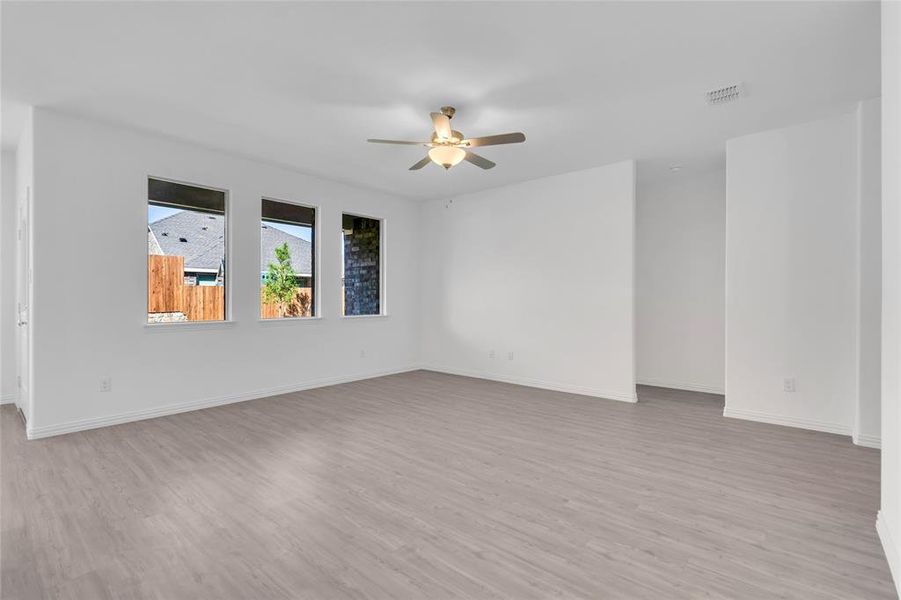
[[186, 253], [287, 260], [361, 274]]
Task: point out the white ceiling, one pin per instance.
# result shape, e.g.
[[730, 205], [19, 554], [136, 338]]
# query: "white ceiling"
[[303, 84]]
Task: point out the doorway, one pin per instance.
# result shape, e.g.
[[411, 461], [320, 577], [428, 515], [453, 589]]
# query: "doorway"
[[23, 304]]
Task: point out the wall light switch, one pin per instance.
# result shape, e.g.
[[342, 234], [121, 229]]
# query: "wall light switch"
[[491, 354], [106, 384], [788, 384]]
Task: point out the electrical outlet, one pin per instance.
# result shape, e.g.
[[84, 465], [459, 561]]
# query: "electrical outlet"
[[509, 356], [491, 354], [788, 384], [106, 384]]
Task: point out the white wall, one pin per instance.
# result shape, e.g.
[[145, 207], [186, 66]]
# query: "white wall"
[[866, 419], [680, 280], [889, 521], [7, 277], [792, 274], [90, 283], [543, 269]]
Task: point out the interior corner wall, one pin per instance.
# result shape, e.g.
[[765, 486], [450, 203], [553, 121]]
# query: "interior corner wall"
[[866, 430], [680, 281], [792, 275], [90, 276], [8, 387], [889, 521], [532, 283]]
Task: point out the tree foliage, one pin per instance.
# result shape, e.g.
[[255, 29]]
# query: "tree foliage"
[[281, 280]]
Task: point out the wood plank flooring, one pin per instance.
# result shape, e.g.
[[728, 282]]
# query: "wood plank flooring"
[[426, 485]]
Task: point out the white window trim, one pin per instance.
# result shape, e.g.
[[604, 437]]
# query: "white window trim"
[[290, 320], [188, 325]]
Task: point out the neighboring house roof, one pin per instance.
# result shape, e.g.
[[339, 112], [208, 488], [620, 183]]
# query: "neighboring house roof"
[[204, 233], [301, 250]]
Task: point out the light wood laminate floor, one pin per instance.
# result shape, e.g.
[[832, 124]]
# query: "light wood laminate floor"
[[426, 485]]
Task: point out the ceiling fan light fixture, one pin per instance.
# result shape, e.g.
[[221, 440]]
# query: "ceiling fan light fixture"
[[449, 147], [447, 156]]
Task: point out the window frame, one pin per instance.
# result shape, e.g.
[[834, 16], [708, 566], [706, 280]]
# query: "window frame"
[[383, 267], [227, 320], [317, 288]]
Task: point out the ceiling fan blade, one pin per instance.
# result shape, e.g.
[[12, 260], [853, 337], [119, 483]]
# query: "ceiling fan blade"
[[442, 125], [421, 164], [479, 161], [494, 140], [371, 141]]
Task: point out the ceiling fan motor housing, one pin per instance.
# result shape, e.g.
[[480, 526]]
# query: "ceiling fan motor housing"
[[455, 138]]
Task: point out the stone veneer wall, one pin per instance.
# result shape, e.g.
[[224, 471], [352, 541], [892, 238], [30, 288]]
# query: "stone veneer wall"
[[361, 266]]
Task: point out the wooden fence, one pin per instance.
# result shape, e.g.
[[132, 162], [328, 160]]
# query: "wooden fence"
[[300, 307], [165, 281], [203, 302], [167, 292]]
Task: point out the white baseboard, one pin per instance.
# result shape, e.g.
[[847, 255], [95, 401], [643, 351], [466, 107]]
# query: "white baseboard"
[[34, 433], [8, 399], [536, 383], [867, 440], [890, 549], [681, 385], [761, 417]]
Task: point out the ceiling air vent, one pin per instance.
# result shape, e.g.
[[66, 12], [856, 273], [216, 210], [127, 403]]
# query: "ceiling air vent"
[[724, 94]]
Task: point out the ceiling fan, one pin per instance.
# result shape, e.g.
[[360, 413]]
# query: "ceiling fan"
[[448, 147]]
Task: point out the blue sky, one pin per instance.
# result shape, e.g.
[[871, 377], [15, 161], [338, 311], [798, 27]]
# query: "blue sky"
[[155, 213], [295, 230]]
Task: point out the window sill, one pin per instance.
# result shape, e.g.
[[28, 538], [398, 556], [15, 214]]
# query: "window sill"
[[289, 320], [187, 326], [383, 316]]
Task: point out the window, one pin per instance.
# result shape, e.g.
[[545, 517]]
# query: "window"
[[361, 273], [185, 253], [287, 265]]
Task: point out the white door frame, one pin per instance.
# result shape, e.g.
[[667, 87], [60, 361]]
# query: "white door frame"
[[23, 305]]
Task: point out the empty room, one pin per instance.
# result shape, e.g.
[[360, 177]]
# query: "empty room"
[[408, 300]]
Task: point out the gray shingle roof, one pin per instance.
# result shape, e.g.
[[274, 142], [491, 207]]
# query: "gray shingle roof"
[[204, 234], [301, 250]]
